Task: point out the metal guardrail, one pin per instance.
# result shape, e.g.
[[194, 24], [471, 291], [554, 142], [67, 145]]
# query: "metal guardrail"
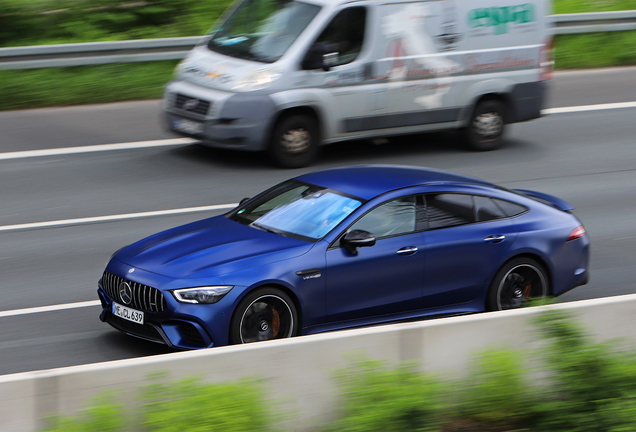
[[96, 53]]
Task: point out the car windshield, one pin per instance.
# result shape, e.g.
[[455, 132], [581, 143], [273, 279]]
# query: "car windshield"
[[297, 210], [262, 30]]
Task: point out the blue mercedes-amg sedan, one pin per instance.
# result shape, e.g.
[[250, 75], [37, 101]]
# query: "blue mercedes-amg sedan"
[[342, 248]]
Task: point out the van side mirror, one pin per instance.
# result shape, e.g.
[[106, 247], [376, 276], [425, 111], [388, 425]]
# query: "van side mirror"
[[321, 55], [355, 239]]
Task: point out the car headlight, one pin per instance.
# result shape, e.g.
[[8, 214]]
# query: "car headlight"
[[257, 80], [201, 295]]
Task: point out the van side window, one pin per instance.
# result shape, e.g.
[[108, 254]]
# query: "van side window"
[[346, 32]]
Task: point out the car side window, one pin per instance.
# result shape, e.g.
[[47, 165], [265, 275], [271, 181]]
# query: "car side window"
[[447, 210], [509, 208], [346, 33], [487, 209], [389, 219]]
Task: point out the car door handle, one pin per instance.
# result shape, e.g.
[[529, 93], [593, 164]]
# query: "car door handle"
[[408, 250], [495, 239]]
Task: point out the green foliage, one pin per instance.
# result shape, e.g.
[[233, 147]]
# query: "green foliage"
[[593, 385], [376, 398], [87, 84], [104, 415], [585, 387], [183, 406], [187, 406], [595, 50], [578, 6], [41, 22], [497, 393]]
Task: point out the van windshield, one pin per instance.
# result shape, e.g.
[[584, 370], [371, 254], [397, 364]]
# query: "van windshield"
[[262, 30]]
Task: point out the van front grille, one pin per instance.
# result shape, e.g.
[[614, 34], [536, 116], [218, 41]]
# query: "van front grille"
[[191, 104]]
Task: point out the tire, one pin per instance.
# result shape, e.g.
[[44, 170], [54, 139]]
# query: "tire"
[[486, 128], [295, 141], [515, 283], [264, 314]]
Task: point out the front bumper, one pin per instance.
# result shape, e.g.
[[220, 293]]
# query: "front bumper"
[[233, 120], [157, 327]]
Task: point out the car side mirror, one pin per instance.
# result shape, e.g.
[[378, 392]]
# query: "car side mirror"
[[321, 55], [355, 239]]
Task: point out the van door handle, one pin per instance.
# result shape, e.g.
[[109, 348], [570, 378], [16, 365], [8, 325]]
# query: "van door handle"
[[408, 250], [495, 239]]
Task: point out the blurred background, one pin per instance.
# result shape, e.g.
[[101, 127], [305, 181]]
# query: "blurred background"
[[65, 212]]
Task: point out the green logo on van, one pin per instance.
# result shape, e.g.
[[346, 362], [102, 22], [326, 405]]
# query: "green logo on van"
[[500, 17]]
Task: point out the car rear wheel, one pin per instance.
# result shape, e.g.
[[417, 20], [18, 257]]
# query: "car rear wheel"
[[265, 314], [295, 141], [486, 127], [516, 283]]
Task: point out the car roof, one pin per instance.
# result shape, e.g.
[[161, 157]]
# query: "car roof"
[[369, 181]]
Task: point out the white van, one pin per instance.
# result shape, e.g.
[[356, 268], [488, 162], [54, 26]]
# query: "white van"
[[288, 76]]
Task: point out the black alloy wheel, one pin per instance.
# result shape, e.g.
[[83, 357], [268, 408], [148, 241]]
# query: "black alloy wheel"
[[295, 141], [516, 283], [486, 128], [265, 314]]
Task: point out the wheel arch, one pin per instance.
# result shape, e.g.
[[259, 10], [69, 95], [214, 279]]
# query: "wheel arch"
[[271, 284], [504, 97], [296, 110], [536, 257]]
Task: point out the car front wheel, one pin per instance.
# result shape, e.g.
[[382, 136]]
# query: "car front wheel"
[[516, 283], [264, 314]]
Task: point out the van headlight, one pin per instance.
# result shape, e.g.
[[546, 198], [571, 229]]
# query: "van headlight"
[[201, 295], [257, 80]]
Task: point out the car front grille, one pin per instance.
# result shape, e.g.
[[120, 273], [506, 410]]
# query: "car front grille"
[[143, 297], [190, 104]]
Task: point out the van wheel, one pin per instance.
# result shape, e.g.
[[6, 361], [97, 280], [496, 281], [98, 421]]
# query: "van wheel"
[[486, 127], [295, 141]]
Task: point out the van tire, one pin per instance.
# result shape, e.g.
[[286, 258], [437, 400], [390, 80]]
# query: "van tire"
[[486, 127], [295, 141]]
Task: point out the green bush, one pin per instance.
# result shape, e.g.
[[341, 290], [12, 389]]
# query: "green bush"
[[183, 406], [584, 387], [376, 398]]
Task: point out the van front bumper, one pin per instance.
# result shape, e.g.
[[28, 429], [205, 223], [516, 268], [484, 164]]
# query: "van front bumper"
[[227, 120]]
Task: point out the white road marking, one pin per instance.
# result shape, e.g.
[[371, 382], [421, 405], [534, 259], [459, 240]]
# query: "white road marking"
[[171, 142], [51, 308], [185, 141], [96, 148], [115, 217], [583, 108]]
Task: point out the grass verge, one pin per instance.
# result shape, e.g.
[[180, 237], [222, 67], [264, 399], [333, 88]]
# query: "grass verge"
[[23, 89]]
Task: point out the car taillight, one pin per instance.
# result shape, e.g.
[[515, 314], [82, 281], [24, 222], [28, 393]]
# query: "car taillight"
[[545, 61], [576, 233]]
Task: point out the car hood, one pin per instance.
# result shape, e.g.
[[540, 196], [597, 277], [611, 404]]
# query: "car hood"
[[211, 247]]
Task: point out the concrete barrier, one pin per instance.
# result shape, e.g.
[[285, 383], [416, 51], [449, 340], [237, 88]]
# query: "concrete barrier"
[[298, 372]]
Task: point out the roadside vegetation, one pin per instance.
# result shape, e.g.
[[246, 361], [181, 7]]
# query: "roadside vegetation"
[[571, 384], [45, 22]]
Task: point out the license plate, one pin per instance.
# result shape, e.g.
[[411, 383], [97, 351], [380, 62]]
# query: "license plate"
[[187, 126], [128, 313]]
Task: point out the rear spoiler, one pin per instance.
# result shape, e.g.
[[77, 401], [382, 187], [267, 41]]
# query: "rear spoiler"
[[547, 199]]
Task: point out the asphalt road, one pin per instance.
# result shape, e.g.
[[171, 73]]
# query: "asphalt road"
[[587, 158]]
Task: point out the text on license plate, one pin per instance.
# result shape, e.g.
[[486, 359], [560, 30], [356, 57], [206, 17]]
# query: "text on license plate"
[[128, 313], [187, 126]]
